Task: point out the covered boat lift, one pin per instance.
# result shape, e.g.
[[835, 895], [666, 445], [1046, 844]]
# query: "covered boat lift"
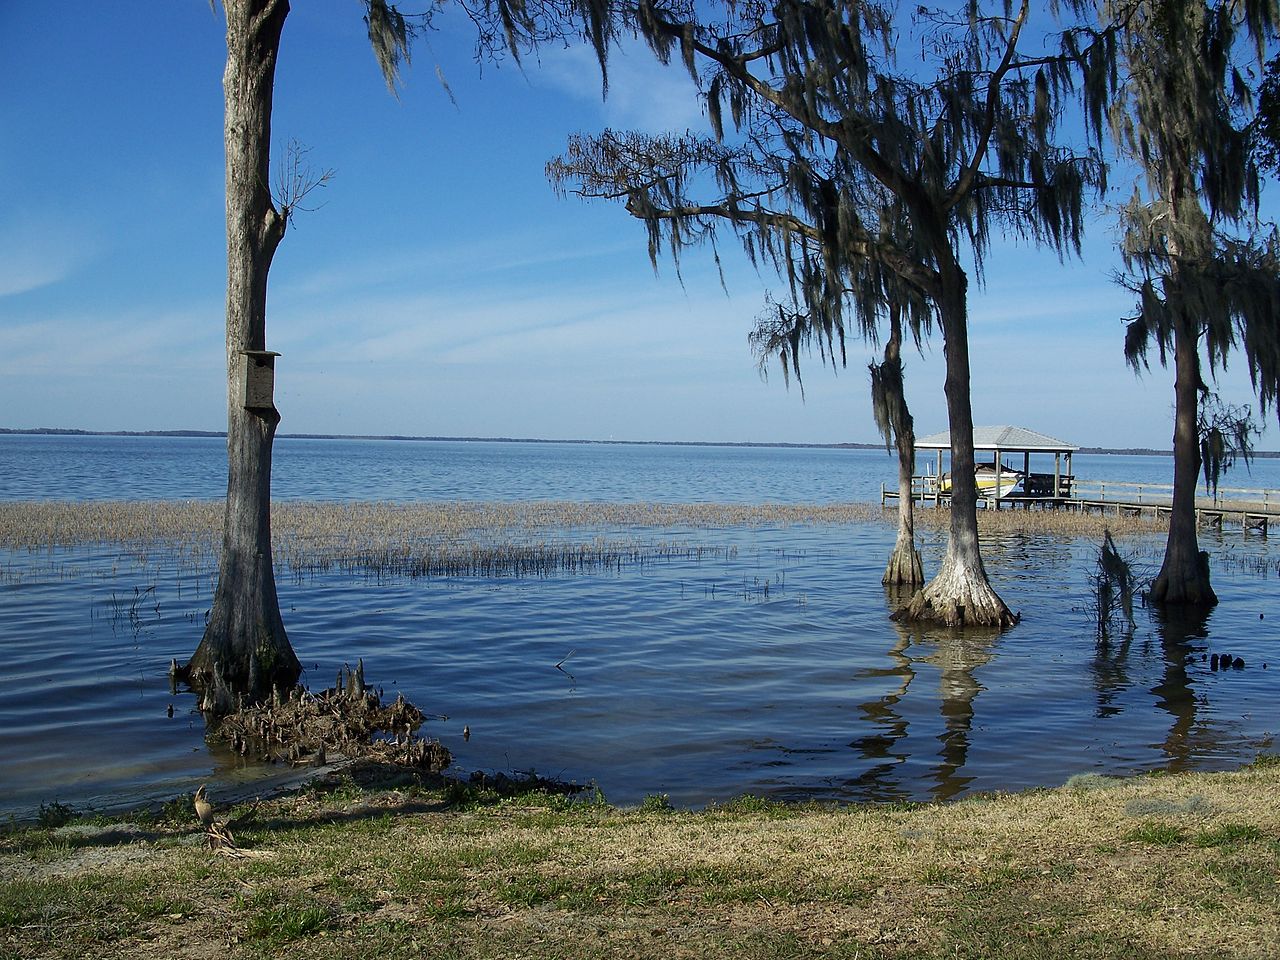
[[999, 442]]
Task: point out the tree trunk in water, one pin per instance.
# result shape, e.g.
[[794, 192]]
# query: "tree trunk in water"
[[245, 650], [904, 567], [1184, 575], [959, 595]]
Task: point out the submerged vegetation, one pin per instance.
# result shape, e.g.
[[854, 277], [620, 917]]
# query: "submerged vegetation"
[[1152, 866], [530, 538], [1114, 586], [193, 523]]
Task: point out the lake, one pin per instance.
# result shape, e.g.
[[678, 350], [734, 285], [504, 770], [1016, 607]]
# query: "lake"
[[766, 664]]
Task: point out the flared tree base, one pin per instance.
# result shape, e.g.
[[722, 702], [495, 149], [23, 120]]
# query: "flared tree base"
[[240, 661], [1184, 583], [904, 567], [958, 597]]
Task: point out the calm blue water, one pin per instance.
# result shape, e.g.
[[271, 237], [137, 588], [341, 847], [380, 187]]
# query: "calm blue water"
[[770, 667], [193, 468]]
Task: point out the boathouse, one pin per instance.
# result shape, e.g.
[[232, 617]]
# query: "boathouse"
[[1003, 461], [1003, 457]]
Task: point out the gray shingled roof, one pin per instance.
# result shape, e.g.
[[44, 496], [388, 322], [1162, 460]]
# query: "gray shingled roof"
[[1000, 438]]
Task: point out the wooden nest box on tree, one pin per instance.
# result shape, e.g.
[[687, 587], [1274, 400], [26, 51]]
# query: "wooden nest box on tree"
[[258, 375]]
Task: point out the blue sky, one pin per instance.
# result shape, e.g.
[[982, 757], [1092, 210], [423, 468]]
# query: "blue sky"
[[442, 288]]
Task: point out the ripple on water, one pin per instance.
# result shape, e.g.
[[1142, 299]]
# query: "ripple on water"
[[769, 666]]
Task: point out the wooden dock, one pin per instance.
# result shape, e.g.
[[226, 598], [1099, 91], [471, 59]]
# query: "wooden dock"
[[1254, 510]]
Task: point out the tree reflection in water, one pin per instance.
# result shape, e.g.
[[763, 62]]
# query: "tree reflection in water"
[[1182, 628], [956, 655], [880, 781], [1110, 672], [1163, 657]]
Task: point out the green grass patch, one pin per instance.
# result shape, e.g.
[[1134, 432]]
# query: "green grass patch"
[[446, 901], [534, 889], [940, 875], [1228, 834], [289, 920], [1048, 874], [751, 805], [1157, 834], [1249, 878], [24, 902]]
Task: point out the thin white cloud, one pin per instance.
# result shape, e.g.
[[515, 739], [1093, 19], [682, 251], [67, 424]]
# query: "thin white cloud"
[[38, 255], [643, 94], [476, 258], [25, 273], [119, 345]]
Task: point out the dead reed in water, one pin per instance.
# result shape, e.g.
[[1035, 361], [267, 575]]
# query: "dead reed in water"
[[39, 524], [1068, 524], [465, 538]]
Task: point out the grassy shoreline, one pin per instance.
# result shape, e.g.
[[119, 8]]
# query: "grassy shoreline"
[[1152, 866]]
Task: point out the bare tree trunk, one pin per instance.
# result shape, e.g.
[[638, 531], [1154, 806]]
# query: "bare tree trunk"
[[245, 650], [959, 595], [904, 566], [1184, 575]]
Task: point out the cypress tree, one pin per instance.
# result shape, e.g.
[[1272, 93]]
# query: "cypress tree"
[[865, 182], [1205, 276]]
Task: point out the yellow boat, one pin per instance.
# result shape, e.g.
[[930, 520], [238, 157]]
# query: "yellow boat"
[[987, 477]]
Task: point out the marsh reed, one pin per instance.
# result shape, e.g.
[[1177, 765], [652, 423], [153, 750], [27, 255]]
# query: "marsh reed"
[[472, 538]]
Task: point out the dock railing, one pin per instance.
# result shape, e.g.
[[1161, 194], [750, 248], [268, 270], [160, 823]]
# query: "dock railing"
[[1120, 494], [1037, 486], [1161, 494]]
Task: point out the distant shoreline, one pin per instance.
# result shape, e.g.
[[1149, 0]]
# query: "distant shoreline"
[[72, 432]]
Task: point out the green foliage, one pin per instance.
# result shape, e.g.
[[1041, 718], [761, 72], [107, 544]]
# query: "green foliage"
[[1264, 130], [657, 803], [54, 814], [1226, 432], [1184, 118], [524, 790], [502, 27], [753, 805], [1205, 276], [855, 179], [865, 185]]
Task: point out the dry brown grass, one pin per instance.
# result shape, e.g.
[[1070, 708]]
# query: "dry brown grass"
[[1064, 523], [39, 524], [476, 538], [1148, 867]]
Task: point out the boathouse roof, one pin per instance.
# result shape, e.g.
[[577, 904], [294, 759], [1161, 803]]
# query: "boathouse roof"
[[1005, 438]]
